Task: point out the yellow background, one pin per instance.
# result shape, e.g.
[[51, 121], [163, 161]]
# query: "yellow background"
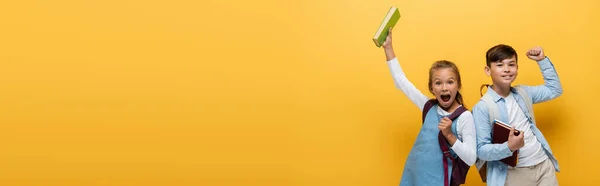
[[264, 92]]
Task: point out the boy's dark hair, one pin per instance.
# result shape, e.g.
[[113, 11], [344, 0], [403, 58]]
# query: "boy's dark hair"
[[498, 53]]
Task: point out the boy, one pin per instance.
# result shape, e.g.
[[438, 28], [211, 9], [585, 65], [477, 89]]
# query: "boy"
[[513, 105]]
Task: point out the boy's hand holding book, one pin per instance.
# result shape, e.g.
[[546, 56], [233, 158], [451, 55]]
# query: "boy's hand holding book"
[[515, 142]]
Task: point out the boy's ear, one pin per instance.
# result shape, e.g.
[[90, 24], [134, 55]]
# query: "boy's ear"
[[487, 71]]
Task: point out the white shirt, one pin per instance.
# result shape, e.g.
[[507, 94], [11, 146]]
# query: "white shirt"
[[465, 149], [532, 152]]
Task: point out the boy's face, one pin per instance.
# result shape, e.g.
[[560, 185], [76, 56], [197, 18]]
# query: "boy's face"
[[503, 72], [444, 86]]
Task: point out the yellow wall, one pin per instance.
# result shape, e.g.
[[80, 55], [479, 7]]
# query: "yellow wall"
[[267, 92]]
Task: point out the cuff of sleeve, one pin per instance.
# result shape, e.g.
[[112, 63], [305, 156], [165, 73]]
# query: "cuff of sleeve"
[[393, 60], [545, 60], [506, 151]]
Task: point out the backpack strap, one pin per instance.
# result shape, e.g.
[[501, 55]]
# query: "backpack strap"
[[457, 113], [458, 174], [446, 149], [493, 113], [527, 100], [430, 103]]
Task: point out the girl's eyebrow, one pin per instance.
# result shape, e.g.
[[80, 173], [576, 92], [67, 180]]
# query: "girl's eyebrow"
[[435, 79]]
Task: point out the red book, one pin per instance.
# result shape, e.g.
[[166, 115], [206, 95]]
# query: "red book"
[[499, 136]]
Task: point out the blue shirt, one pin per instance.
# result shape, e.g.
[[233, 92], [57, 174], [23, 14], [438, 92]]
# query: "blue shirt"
[[496, 170]]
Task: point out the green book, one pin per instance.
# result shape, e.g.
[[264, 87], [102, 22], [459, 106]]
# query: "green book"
[[390, 20]]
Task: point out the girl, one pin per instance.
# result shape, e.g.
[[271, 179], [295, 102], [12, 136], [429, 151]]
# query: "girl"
[[427, 164]]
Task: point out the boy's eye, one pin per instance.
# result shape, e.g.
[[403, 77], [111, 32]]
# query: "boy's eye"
[[499, 65], [512, 65]]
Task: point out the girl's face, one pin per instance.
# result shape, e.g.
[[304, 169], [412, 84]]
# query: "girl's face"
[[444, 87]]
